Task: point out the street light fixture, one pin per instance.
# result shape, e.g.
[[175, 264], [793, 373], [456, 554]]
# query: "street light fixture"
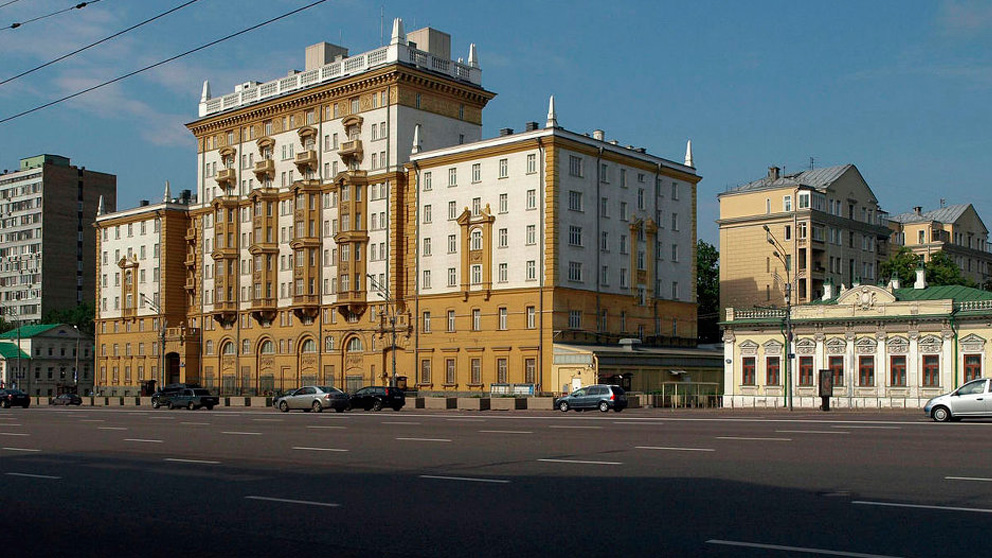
[[75, 369], [161, 334], [380, 290], [777, 252]]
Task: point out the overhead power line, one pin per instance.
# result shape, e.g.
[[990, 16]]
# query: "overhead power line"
[[78, 6], [91, 45], [157, 64], [8, 3]]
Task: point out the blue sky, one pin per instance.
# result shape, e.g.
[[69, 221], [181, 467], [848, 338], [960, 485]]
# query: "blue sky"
[[899, 88]]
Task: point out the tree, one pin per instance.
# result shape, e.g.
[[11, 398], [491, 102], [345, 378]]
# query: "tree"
[[901, 264], [81, 316], [943, 270], [708, 292]]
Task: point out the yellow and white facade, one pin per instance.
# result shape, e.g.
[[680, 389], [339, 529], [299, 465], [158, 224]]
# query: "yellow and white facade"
[[957, 230], [355, 202]]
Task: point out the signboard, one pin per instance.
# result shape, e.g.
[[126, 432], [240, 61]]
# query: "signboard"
[[826, 383]]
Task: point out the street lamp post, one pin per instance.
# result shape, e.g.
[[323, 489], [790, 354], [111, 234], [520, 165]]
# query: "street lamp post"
[[779, 253], [75, 368], [161, 334], [380, 289]]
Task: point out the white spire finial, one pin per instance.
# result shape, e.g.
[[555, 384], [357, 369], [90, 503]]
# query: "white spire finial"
[[473, 56], [398, 37], [688, 154], [205, 96], [168, 193], [416, 140], [552, 116], [99, 206]]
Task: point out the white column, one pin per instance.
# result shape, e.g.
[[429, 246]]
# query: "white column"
[[947, 363], [913, 365]]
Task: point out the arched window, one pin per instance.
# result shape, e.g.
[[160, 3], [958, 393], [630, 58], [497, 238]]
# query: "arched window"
[[477, 239], [228, 348], [309, 346], [329, 343], [268, 348], [354, 344]]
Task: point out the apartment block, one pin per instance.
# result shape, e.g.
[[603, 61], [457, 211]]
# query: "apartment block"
[[47, 251], [826, 225], [957, 230]]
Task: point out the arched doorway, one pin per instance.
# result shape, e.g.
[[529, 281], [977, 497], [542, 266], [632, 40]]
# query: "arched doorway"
[[306, 363], [354, 372], [173, 371]]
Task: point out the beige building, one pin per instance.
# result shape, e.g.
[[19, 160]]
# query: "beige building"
[[47, 360], [828, 225], [350, 226], [883, 347], [957, 230]]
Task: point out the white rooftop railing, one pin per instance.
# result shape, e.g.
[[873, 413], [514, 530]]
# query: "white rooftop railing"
[[348, 67]]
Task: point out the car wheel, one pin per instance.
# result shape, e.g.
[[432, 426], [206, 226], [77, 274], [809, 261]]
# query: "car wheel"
[[155, 405], [941, 414], [6, 404], [317, 407], [339, 409], [171, 406], [617, 409], [377, 405], [283, 406], [397, 407], [210, 407], [563, 406], [604, 407], [191, 406]]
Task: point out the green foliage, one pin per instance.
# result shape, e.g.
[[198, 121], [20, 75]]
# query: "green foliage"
[[901, 264], [5, 326], [81, 316], [942, 270], [708, 291]]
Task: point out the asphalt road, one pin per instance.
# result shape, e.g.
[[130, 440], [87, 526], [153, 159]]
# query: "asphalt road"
[[116, 482]]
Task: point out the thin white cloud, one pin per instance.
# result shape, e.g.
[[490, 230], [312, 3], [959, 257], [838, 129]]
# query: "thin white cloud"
[[964, 17]]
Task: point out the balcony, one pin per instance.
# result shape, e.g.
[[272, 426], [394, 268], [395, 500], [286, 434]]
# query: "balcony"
[[306, 161], [190, 260], [190, 284], [351, 148], [225, 312], [305, 242], [265, 169], [351, 303], [226, 178], [306, 306], [264, 310], [191, 234], [228, 253]]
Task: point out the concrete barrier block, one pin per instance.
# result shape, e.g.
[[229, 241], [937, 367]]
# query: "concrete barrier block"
[[237, 401], [440, 403], [145, 401], [507, 403], [473, 403], [261, 402], [540, 403]]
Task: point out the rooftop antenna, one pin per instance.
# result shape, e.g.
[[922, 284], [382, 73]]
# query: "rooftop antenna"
[[381, 16], [943, 203], [811, 161]]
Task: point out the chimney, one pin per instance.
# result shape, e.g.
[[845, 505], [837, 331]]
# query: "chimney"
[[599, 134], [630, 343], [921, 278], [773, 173], [530, 126], [918, 210], [505, 132], [894, 282], [828, 289], [143, 203]]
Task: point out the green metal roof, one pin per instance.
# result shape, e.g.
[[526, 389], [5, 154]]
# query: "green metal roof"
[[24, 332], [958, 293], [9, 351]]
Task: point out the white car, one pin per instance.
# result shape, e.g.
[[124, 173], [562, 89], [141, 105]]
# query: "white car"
[[973, 399]]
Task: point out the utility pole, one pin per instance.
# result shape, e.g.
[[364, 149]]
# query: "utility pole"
[[779, 253], [383, 292], [163, 323]]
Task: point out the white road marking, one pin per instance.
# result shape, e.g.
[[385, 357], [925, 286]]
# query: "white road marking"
[[111, 428], [243, 433], [673, 449], [644, 422], [466, 479], [871, 427], [328, 427], [304, 448], [811, 432], [424, 439], [22, 449], [581, 461], [267, 420], [922, 507], [978, 479], [285, 501], [196, 423], [8, 424], [576, 427], [198, 461], [402, 422], [465, 420], [806, 550], [161, 418], [143, 440], [754, 439], [13, 434], [92, 420], [505, 432], [32, 476]]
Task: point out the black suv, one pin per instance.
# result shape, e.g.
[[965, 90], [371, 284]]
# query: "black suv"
[[374, 398], [11, 397], [193, 398], [163, 397]]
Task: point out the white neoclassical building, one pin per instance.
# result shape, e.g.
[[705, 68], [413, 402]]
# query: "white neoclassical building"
[[885, 347]]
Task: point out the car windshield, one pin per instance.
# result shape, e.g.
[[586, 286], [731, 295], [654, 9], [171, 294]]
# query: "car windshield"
[[200, 392]]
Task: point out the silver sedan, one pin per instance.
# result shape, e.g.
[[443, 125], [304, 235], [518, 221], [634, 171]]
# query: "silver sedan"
[[313, 398]]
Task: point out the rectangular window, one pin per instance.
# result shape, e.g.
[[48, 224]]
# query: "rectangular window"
[[476, 371], [427, 182], [531, 163], [501, 370], [427, 214], [452, 277], [531, 199], [503, 238], [452, 210], [449, 371], [503, 203], [531, 268], [866, 371], [504, 168], [503, 273], [575, 200], [451, 320], [427, 322], [531, 317], [675, 191], [476, 319], [452, 177], [574, 165], [502, 318], [574, 235], [452, 244], [931, 370], [530, 370], [476, 172], [531, 234], [425, 371], [574, 319], [427, 279], [575, 271], [836, 365], [772, 371], [972, 367], [897, 370], [787, 203], [476, 274], [806, 371], [747, 371]]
